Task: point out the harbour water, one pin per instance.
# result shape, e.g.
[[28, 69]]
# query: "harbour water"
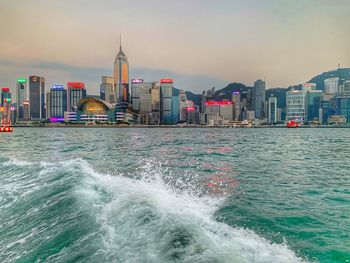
[[175, 195]]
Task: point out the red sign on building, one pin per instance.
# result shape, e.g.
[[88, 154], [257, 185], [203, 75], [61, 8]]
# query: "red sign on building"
[[76, 85], [166, 81]]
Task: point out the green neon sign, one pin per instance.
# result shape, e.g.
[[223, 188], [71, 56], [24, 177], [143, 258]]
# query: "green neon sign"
[[21, 80]]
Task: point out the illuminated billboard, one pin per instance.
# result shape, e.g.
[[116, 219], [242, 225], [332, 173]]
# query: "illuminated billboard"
[[56, 119], [76, 85], [190, 108], [136, 81], [166, 81], [218, 103], [21, 80], [57, 87], [33, 79]]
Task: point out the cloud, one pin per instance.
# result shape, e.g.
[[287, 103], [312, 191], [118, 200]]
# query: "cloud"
[[57, 72], [201, 43]]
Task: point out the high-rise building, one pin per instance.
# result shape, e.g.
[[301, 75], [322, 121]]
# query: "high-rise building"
[[48, 113], [21, 96], [37, 98], [346, 86], [296, 105], [185, 110], [236, 99], [182, 99], [5, 109], [331, 85], [26, 110], [227, 110], [340, 104], [155, 119], [145, 95], [135, 93], [76, 91], [57, 103], [5, 97], [175, 108], [272, 110], [259, 98], [308, 86], [314, 98], [166, 92], [121, 75], [108, 90], [216, 112]]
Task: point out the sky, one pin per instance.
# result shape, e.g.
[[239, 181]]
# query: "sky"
[[200, 44]]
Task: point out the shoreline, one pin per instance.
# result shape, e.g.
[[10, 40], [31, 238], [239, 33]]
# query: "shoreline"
[[179, 127]]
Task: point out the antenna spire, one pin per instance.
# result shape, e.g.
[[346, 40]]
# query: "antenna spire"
[[120, 41]]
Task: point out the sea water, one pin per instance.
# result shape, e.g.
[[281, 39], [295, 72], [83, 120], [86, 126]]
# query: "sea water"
[[175, 195]]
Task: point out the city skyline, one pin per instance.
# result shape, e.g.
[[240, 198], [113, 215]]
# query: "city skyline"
[[240, 54]]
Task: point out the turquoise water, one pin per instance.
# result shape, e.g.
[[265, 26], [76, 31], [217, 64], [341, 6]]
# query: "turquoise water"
[[175, 195]]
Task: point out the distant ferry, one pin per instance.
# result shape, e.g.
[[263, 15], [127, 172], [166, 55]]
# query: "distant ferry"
[[293, 124]]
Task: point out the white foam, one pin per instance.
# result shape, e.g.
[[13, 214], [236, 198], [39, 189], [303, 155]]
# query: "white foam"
[[146, 219], [16, 162], [167, 212]]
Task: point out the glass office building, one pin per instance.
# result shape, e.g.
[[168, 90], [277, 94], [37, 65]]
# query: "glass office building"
[[57, 103], [166, 92], [37, 98]]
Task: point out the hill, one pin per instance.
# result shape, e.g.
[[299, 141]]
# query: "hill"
[[341, 73], [279, 93]]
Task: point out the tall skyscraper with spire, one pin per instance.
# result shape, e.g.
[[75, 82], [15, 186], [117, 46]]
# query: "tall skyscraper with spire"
[[121, 74]]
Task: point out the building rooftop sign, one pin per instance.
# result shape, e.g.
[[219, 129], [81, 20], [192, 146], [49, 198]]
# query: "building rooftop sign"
[[76, 85], [166, 81], [218, 103], [136, 81], [57, 87], [22, 80]]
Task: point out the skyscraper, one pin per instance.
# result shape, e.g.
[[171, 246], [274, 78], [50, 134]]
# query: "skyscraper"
[[135, 93], [314, 98], [5, 111], [236, 99], [76, 91], [331, 85], [155, 103], [21, 94], [57, 103], [259, 98], [108, 90], [182, 106], [5, 96], [121, 75], [272, 110], [166, 92], [296, 105], [37, 98]]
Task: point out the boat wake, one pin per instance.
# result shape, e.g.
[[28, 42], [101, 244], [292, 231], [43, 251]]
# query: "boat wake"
[[69, 212]]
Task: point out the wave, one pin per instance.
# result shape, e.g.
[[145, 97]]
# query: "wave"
[[125, 218]]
